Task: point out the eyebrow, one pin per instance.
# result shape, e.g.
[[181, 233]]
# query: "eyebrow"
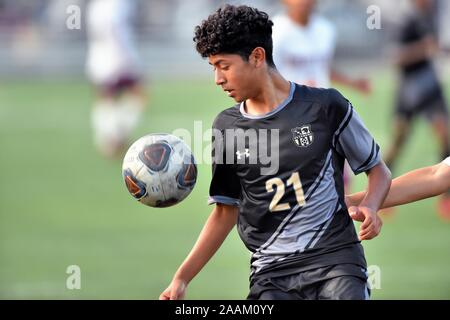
[[217, 62]]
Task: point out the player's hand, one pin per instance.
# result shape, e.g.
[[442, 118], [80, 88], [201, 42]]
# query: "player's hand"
[[371, 222], [175, 291]]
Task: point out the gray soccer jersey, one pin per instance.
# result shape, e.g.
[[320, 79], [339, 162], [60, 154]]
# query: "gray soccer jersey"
[[284, 171]]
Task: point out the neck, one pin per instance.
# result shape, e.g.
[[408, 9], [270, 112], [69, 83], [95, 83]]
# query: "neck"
[[273, 91], [300, 19]]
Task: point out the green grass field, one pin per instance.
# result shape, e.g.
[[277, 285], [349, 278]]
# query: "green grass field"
[[61, 204]]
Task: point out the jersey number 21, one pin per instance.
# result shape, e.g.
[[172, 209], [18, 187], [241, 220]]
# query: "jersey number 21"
[[294, 181]]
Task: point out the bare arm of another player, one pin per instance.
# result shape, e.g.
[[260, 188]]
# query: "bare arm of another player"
[[361, 84], [379, 181], [219, 224], [413, 186]]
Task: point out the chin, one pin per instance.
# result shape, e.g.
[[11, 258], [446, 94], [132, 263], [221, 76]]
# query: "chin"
[[238, 99]]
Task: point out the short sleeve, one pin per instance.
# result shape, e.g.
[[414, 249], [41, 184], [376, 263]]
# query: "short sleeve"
[[415, 28], [351, 138], [405, 32], [225, 187], [447, 161]]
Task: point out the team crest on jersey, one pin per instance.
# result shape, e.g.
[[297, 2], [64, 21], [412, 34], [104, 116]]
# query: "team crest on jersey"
[[302, 136]]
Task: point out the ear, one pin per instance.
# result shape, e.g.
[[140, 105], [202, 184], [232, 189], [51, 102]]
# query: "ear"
[[258, 57]]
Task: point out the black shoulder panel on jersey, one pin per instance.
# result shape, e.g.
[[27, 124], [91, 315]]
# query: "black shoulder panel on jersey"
[[226, 118], [336, 109], [305, 93]]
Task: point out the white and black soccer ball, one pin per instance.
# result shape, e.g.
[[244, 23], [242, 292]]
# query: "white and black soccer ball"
[[159, 170]]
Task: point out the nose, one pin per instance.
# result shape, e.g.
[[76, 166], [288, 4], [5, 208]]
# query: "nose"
[[218, 77]]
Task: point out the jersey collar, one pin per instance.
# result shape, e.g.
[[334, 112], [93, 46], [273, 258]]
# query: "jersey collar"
[[274, 111]]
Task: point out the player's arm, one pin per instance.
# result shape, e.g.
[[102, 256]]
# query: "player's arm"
[[353, 141], [411, 53], [362, 84], [379, 181], [412, 186], [220, 222]]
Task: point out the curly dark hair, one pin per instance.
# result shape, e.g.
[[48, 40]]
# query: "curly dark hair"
[[235, 30]]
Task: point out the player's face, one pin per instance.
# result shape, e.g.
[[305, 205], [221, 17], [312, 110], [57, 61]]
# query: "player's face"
[[300, 7], [236, 76], [424, 5]]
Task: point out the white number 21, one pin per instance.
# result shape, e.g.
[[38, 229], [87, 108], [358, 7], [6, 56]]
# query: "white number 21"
[[294, 181]]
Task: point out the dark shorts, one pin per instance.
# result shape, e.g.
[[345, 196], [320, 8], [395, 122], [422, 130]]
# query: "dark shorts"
[[420, 93], [338, 282], [117, 86]]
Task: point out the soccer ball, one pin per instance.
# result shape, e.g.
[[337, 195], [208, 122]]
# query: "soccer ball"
[[159, 170]]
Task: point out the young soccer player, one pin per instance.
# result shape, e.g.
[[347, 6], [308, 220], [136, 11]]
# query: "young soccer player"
[[413, 186], [288, 203]]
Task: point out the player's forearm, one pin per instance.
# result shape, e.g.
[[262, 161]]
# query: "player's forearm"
[[340, 78], [379, 182], [413, 186], [217, 227], [354, 199], [417, 51], [417, 185]]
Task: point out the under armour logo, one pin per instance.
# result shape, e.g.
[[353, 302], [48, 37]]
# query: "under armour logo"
[[240, 154]]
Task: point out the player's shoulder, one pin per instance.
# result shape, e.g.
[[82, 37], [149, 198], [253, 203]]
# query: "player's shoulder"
[[281, 26], [227, 117], [331, 103], [323, 24], [322, 21], [410, 23], [325, 96], [280, 20]]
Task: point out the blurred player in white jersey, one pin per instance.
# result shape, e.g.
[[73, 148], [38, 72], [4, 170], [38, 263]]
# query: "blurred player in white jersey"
[[304, 45], [113, 66], [303, 50]]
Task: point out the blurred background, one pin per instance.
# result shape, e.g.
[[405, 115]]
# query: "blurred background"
[[62, 203]]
